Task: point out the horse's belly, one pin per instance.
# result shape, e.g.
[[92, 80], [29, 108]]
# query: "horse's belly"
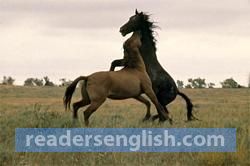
[[123, 90]]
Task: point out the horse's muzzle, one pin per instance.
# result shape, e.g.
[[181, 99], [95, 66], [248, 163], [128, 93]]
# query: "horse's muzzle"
[[122, 32]]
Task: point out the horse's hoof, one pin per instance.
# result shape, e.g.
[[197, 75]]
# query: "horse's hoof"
[[170, 121], [161, 120], [155, 117], [86, 123], [192, 118], [146, 118]]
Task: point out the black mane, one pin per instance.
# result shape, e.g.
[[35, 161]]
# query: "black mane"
[[148, 27]]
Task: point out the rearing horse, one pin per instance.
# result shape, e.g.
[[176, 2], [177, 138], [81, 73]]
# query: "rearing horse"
[[163, 84], [129, 82]]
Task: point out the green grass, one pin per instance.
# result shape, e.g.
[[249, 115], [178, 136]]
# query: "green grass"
[[42, 107]]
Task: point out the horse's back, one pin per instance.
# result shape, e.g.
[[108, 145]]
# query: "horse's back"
[[125, 77], [98, 79], [98, 75]]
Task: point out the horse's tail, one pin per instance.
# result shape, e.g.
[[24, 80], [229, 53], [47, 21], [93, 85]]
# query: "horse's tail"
[[70, 90], [189, 106]]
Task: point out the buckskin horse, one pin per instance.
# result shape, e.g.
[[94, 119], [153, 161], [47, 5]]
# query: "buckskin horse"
[[163, 84], [129, 82]]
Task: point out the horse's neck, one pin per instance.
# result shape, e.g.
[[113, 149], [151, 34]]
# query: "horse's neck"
[[148, 51], [134, 55], [137, 34], [140, 63], [134, 39]]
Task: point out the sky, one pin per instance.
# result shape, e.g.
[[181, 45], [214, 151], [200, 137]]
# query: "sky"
[[67, 38]]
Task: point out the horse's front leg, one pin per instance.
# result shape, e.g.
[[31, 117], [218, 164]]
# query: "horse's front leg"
[[147, 103], [147, 88], [115, 63]]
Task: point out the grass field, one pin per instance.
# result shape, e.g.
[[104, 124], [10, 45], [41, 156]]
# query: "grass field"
[[42, 107]]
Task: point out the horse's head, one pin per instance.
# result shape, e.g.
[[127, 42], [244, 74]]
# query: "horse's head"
[[134, 23]]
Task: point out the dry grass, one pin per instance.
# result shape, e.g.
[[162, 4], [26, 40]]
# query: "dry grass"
[[42, 107]]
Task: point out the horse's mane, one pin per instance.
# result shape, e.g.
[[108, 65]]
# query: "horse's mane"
[[149, 27]]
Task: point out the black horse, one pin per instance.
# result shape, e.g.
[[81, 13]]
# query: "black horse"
[[163, 84]]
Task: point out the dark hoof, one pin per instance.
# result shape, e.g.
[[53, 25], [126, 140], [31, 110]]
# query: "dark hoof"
[[192, 118], [146, 118], [161, 119], [155, 117], [170, 121]]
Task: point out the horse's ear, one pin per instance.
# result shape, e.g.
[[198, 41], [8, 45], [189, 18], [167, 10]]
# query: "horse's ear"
[[136, 12]]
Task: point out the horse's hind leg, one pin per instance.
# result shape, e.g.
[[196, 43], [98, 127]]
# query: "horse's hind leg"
[[165, 98], [147, 103], [162, 114], [94, 105], [78, 105]]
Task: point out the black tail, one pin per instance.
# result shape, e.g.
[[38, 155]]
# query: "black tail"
[[189, 106], [70, 90]]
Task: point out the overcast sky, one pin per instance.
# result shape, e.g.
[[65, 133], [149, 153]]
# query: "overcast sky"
[[64, 39]]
